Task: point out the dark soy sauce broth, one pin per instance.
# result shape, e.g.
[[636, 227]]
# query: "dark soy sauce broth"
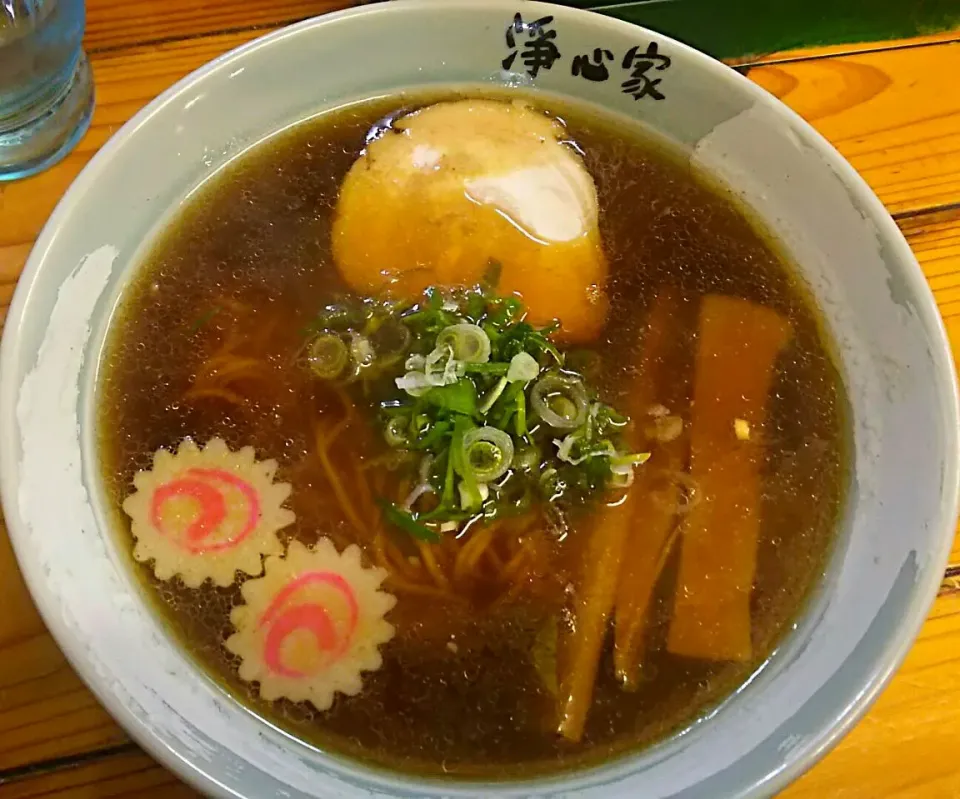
[[251, 251]]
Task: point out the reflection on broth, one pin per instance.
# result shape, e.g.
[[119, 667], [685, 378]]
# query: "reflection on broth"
[[469, 441]]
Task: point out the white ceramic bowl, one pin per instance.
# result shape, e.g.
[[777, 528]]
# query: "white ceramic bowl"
[[895, 362]]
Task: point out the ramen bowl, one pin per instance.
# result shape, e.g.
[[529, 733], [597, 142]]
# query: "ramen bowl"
[[897, 523]]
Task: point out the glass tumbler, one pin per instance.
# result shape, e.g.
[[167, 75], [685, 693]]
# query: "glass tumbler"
[[46, 89]]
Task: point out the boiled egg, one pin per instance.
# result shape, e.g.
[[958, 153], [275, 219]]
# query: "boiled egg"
[[460, 190]]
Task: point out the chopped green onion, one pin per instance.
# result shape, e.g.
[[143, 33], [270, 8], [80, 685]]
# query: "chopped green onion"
[[414, 383], [539, 340], [468, 342], [361, 350], [443, 513], [560, 401], [419, 424], [506, 406], [468, 483], [523, 367], [440, 367], [406, 521], [432, 437], [628, 461], [521, 415], [475, 306], [466, 501], [391, 340], [515, 495], [621, 468], [446, 498], [337, 317], [486, 368], [415, 363], [551, 484], [574, 450], [464, 358], [526, 458], [621, 479], [493, 395], [327, 355], [461, 397], [396, 431], [487, 453]]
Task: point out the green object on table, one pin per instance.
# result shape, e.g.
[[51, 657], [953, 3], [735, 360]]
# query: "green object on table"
[[741, 28]]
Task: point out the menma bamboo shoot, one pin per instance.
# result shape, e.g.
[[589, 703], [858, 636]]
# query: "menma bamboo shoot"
[[739, 343]]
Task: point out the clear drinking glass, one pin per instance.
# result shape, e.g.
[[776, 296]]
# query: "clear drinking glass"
[[46, 90]]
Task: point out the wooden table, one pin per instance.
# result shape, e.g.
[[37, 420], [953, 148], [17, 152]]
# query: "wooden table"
[[892, 108]]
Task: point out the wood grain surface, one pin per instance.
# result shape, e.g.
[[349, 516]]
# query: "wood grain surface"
[[46, 712], [115, 774], [892, 108], [115, 25]]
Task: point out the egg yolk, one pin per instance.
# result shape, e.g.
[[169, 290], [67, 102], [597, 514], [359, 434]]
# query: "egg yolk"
[[459, 186]]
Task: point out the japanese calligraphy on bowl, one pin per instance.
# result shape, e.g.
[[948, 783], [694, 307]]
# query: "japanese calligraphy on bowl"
[[534, 46]]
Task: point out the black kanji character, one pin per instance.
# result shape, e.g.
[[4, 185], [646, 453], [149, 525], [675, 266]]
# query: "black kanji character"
[[639, 84], [595, 69], [539, 52]]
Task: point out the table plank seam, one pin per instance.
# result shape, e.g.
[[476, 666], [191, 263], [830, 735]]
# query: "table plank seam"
[[764, 61], [951, 581], [42, 767], [55, 717], [913, 213], [162, 40], [8, 707], [40, 677]]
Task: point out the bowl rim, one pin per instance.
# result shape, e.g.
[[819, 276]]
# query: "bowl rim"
[[923, 594]]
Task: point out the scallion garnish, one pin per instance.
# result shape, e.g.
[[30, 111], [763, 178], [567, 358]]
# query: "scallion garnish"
[[327, 355], [487, 452], [560, 400], [468, 342], [406, 522], [396, 430], [499, 421]]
